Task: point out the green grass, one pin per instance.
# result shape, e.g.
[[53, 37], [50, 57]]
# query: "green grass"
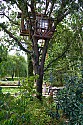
[[8, 82], [10, 90]]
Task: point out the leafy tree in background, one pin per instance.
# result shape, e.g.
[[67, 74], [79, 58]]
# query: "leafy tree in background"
[[15, 66], [70, 62], [3, 59], [58, 9], [3, 53]]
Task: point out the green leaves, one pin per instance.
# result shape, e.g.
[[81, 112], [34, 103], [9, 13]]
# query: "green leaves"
[[13, 65], [70, 100], [3, 52]]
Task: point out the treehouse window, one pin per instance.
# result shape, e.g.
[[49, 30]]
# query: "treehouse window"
[[43, 27], [44, 24], [24, 28], [25, 25]]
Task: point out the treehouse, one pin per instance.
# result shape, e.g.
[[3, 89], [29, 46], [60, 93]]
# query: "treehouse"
[[44, 27]]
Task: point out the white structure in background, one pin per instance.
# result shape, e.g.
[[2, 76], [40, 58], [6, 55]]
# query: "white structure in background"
[[44, 88]]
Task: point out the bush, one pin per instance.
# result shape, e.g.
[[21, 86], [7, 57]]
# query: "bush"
[[70, 100], [26, 109]]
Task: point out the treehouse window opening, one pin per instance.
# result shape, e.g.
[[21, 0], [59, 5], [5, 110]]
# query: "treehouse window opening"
[[43, 27], [24, 27], [44, 24]]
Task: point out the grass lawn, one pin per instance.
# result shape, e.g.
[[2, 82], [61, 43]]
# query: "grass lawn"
[[10, 90], [8, 82]]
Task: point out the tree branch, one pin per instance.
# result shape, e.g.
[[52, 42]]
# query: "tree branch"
[[16, 23], [47, 4], [44, 53], [62, 55], [12, 36], [51, 9], [24, 10], [60, 17], [33, 8]]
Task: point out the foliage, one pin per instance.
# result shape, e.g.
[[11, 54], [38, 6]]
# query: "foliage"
[[14, 66], [67, 45], [12, 91], [17, 66], [70, 100], [25, 109], [3, 59], [3, 53]]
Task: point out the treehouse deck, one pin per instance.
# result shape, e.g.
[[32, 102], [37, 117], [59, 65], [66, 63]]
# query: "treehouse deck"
[[24, 32]]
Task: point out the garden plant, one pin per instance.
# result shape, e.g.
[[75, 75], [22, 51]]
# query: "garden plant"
[[70, 100]]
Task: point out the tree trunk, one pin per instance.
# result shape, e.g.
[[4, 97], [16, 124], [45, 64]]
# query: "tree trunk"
[[13, 74], [12, 77], [30, 66], [38, 65], [39, 83]]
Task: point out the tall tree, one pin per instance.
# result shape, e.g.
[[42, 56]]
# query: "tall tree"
[[3, 53], [3, 59], [14, 66], [70, 62], [30, 9]]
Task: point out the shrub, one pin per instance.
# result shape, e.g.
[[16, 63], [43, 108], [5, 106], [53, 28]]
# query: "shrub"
[[70, 100], [26, 109]]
